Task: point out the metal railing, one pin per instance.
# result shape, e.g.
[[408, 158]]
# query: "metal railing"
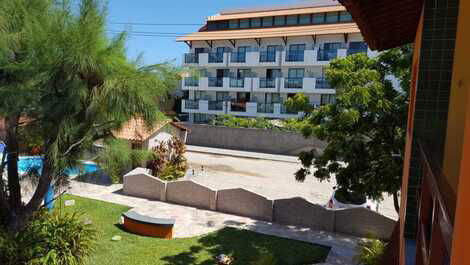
[[238, 106], [191, 58], [216, 105], [295, 82], [267, 57], [237, 82], [238, 57], [322, 83], [265, 108], [435, 230], [356, 50], [216, 57], [286, 110], [216, 81], [191, 104], [295, 56], [267, 82], [191, 81], [327, 54]]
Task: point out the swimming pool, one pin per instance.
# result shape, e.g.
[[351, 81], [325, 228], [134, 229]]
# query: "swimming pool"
[[26, 163]]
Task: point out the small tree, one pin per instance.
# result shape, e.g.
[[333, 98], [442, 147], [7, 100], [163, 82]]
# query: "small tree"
[[168, 161], [299, 102], [365, 129]]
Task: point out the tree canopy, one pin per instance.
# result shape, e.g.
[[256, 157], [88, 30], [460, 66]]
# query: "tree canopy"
[[62, 78], [365, 129]]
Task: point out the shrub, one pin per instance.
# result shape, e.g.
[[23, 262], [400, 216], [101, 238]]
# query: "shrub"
[[370, 252], [168, 161], [266, 259], [51, 239]]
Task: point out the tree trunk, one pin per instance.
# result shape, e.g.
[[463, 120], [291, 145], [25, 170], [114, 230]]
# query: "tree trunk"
[[396, 203], [14, 188]]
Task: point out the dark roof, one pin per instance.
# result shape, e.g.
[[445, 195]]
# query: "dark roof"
[[315, 3], [386, 23]]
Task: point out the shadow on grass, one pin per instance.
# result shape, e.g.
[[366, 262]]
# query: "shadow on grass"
[[247, 247], [98, 178]]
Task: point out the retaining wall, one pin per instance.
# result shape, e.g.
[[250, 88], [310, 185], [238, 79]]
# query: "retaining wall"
[[245, 203], [247, 139], [140, 183], [189, 193]]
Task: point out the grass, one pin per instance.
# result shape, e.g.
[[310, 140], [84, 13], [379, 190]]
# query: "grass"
[[244, 245]]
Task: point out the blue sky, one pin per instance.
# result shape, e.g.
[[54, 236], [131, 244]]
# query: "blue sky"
[[159, 49]]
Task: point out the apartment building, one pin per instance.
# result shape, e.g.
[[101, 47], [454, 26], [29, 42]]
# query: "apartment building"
[[248, 62]]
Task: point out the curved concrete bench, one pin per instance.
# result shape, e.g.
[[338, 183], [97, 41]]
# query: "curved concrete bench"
[[148, 226]]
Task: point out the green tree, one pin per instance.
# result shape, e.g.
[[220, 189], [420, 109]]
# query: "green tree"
[[365, 129], [299, 102], [73, 84]]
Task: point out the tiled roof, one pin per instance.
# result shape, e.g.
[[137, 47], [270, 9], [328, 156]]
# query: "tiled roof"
[[136, 130], [293, 31]]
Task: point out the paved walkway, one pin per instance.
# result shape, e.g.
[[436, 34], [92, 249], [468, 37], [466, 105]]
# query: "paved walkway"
[[245, 154], [192, 222]]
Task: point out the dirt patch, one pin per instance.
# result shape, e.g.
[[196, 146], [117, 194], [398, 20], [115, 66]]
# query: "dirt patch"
[[224, 168]]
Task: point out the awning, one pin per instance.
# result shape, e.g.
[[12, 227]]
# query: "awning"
[[295, 31]]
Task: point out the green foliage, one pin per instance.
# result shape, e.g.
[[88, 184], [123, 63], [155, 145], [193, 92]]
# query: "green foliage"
[[236, 122], [371, 252], [168, 161], [294, 125], [364, 130], [118, 156], [265, 259], [299, 102], [51, 239]]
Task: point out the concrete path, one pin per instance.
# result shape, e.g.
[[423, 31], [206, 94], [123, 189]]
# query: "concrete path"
[[192, 222], [245, 154]]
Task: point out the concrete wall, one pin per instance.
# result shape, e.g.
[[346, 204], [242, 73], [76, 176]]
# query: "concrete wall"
[[244, 203], [300, 212], [189, 193], [140, 183], [257, 140], [363, 223]]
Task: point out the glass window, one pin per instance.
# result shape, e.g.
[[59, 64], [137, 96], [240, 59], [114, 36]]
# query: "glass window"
[[296, 72], [244, 23], [222, 25], [267, 21], [256, 22], [211, 26], [304, 19], [279, 21], [344, 16], [331, 17], [318, 18], [233, 24], [275, 98], [291, 20]]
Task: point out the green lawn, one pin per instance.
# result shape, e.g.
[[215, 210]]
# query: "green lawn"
[[244, 245]]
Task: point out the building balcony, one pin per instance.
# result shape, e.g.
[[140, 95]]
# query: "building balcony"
[[295, 56], [217, 105], [297, 85], [238, 57], [326, 55], [216, 57], [191, 58], [237, 82], [322, 86], [351, 51], [215, 81], [188, 105], [267, 57], [190, 83], [265, 108]]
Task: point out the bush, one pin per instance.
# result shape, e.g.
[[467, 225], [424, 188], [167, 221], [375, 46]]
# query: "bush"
[[168, 162], [266, 259], [51, 239], [370, 252]]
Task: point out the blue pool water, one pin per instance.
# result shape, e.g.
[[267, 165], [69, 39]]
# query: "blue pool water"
[[27, 163]]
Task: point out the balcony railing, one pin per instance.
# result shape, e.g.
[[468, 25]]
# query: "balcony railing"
[[267, 82], [191, 58], [216, 105], [237, 82], [434, 238], [295, 56], [191, 81], [296, 82], [238, 106], [267, 57], [216, 57], [322, 83], [216, 81], [356, 50], [238, 57], [327, 54], [191, 104], [286, 110], [265, 108]]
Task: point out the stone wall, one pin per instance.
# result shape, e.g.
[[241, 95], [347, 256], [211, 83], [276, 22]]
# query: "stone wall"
[[140, 183], [189, 193], [256, 140], [245, 203], [300, 212]]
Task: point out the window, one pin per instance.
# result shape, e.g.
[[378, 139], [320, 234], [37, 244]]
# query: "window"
[[222, 25], [267, 21], [211, 26], [244, 23], [233, 24], [318, 18], [331, 17], [291, 20], [296, 73], [304, 19], [327, 99], [275, 98], [222, 96], [256, 22], [344, 16], [279, 21]]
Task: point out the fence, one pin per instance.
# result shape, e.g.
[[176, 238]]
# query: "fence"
[[290, 211]]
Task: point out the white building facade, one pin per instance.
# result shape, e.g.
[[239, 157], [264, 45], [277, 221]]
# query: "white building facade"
[[249, 62]]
